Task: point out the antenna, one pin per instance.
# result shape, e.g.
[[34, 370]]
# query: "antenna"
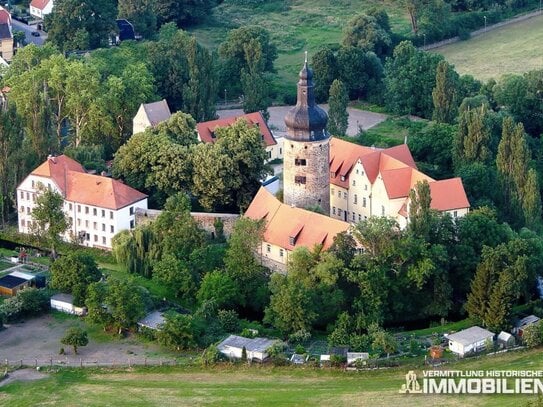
[[305, 57]]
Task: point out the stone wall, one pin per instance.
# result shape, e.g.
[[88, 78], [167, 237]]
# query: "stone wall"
[[316, 190], [206, 220]]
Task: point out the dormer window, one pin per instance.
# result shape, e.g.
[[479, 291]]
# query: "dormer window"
[[213, 136], [332, 174], [292, 240], [343, 178]]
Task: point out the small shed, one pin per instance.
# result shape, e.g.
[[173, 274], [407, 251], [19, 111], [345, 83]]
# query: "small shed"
[[65, 303], [297, 359], [256, 348], [153, 321], [10, 285], [469, 340], [353, 357], [505, 340], [325, 360], [521, 324]]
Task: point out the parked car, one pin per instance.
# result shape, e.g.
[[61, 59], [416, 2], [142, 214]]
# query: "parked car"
[[35, 34]]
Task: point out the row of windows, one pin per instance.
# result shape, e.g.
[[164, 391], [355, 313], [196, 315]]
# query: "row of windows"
[[299, 179], [95, 238], [28, 196], [28, 210], [354, 215], [26, 223], [94, 225], [281, 251], [94, 211]]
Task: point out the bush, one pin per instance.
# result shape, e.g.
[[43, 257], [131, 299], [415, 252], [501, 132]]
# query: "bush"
[[229, 321], [300, 350], [210, 356], [299, 337], [28, 302], [464, 34], [248, 333]]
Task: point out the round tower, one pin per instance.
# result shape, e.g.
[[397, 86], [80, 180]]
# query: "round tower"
[[306, 150]]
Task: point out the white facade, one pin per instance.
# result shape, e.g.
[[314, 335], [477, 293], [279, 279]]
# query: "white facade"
[[471, 340], [91, 226], [235, 353], [275, 152], [67, 307], [41, 8]]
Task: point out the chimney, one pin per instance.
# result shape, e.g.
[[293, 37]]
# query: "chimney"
[[52, 158]]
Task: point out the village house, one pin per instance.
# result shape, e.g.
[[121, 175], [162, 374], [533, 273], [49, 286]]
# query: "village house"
[[522, 324], [40, 8], [366, 181], [274, 149], [97, 207], [288, 227], [471, 340], [150, 115], [256, 348], [6, 35]]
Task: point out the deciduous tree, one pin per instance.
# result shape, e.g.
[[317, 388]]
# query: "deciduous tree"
[[338, 117], [75, 337]]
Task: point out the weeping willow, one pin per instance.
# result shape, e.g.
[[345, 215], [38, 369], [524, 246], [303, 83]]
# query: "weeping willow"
[[136, 250]]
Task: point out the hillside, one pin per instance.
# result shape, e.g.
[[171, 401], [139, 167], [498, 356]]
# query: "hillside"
[[295, 26]]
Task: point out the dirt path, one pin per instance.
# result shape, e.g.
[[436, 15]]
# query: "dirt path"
[[39, 338], [23, 375], [357, 118]]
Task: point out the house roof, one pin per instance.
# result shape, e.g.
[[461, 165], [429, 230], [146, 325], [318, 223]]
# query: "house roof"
[[5, 31], [66, 298], [78, 186], [250, 344], [10, 281], [398, 171], [156, 112], [504, 336], [284, 222], [39, 4], [5, 17], [470, 335], [24, 276], [206, 129], [154, 320], [530, 319]]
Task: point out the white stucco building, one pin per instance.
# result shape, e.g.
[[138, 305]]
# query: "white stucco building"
[[471, 340], [367, 181], [150, 115], [98, 207], [256, 348], [40, 8]]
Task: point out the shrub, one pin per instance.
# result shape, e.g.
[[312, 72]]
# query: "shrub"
[[299, 336], [300, 350], [229, 321]]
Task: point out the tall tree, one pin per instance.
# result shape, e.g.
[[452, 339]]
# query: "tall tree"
[[472, 142], [253, 82], [81, 24], [141, 14], [75, 337], [182, 12], [365, 32], [444, 94], [73, 273], [49, 222], [325, 69], [338, 117]]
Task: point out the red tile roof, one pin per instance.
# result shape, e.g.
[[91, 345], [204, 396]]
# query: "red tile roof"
[[284, 222], [398, 170], [5, 17], [206, 129], [448, 194], [39, 4], [78, 186]]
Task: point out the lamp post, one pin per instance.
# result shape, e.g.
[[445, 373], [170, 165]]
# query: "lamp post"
[[485, 20], [424, 36], [225, 97]]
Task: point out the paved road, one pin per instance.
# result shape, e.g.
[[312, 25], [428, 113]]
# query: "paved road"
[[28, 29], [357, 118]]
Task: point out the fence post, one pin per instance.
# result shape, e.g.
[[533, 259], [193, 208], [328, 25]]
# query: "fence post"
[[80, 362], [36, 363], [145, 362], [21, 363], [51, 362]]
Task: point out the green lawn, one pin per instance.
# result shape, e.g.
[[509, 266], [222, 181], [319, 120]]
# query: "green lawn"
[[512, 49], [256, 385], [295, 26]]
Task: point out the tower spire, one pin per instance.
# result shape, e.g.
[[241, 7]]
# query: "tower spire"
[[305, 62]]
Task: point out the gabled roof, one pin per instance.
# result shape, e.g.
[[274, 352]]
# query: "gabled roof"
[[206, 129], [470, 336], [5, 17], [250, 344], [78, 186], [398, 171], [286, 224], [156, 112], [530, 319], [448, 194], [39, 4]]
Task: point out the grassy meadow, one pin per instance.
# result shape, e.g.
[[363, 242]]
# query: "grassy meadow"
[[295, 26], [256, 385], [511, 49]]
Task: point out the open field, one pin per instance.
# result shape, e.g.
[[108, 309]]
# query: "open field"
[[295, 26], [515, 48], [256, 385]]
